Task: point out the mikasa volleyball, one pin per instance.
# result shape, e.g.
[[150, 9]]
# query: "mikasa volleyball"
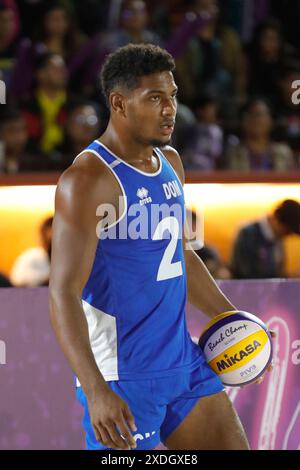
[[237, 346]]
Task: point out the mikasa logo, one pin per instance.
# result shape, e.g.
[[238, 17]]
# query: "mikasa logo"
[[229, 361], [172, 189]]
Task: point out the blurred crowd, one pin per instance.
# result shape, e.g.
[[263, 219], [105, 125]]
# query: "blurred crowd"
[[258, 251], [236, 62]]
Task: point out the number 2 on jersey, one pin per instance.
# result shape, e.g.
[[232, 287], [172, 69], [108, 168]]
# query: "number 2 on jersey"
[[167, 269]]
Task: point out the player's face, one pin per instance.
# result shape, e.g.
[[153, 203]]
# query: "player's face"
[[151, 109]]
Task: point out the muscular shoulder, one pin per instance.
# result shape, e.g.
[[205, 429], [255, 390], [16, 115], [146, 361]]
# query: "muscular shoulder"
[[89, 178], [85, 185], [174, 159]]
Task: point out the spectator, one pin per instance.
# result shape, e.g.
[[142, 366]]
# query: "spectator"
[[132, 29], [194, 231], [82, 127], [205, 142], [258, 249], [14, 156], [213, 60], [46, 113], [4, 282], [133, 26], [256, 150], [56, 32], [185, 122], [266, 56], [287, 110], [94, 16], [32, 268], [7, 43], [212, 261], [288, 13]]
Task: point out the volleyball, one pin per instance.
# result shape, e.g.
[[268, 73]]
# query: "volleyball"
[[237, 346]]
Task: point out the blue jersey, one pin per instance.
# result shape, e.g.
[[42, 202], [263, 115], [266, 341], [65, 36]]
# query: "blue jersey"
[[135, 297]]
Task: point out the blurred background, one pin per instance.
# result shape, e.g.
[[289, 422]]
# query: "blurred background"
[[237, 129]]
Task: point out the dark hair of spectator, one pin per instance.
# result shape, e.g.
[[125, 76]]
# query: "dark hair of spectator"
[[246, 108], [208, 253], [270, 23], [40, 33], [128, 64], [8, 114], [125, 9], [288, 213], [80, 102], [290, 67], [47, 223], [3, 6], [126, 3], [43, 60], [204, 100]]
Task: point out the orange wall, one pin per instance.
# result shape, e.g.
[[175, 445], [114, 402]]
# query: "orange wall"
[[226, 207], [22, 209]]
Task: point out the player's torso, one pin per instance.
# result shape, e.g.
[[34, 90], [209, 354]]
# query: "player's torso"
[[136, 293]]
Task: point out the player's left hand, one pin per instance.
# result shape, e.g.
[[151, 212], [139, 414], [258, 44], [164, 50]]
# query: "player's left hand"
[[271, 366]]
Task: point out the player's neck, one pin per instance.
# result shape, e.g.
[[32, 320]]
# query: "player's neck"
[[124, 147]]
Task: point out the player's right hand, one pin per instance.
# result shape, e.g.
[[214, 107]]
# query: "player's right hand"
[[112, 421]]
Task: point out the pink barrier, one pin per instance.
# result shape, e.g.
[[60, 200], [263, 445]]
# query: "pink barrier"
[[38, 409], [270, 411]]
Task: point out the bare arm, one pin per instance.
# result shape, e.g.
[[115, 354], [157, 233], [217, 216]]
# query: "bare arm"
[[202, 290], [73, 248], [81, 189]]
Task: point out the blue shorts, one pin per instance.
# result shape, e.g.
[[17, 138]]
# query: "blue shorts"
[[158, 405]]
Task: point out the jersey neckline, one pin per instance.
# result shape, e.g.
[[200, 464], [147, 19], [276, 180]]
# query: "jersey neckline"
[[131, 166]]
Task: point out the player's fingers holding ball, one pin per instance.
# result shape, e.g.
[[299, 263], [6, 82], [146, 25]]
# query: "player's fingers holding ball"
[[259, 381]]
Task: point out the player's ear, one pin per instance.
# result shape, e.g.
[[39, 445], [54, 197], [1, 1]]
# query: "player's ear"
[[117, 103]]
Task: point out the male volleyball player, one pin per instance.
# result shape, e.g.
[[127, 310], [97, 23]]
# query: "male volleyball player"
[[118, 300]]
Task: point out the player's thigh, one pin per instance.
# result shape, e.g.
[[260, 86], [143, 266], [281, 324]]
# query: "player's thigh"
[[212, 424]]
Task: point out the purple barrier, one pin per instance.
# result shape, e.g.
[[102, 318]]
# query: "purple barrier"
[[270, 411], [38, 409]]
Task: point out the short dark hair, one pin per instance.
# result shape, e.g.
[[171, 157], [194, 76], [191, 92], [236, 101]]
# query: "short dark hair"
[[51, 5], [289, 67], [43, 60], [269, 23], [205, 99], [47, 223], [125, 66], [4, 6], [247, 107], [8, 114], [288, 214]]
